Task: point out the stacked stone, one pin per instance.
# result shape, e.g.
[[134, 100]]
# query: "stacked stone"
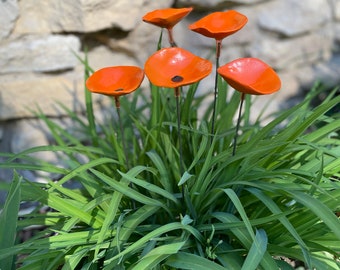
[[39, 44]]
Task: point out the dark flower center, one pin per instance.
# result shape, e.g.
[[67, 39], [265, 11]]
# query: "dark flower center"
[[177, 78]]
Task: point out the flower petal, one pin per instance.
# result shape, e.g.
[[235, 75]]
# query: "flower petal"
[[115, 81], [166, 18], [250, 76], [175, 67], [219, 25]]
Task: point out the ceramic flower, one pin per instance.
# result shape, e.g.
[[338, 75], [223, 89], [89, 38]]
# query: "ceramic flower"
[[219, 25], [115, 81], [166, 18], [175, 67], [250, 76]]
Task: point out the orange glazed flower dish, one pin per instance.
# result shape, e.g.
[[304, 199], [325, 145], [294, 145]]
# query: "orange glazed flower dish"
[[219, 25], [175, 67], [166, 18], [250, 76], [115, 81]]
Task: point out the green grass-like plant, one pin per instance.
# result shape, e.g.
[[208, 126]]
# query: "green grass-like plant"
[[276, 197]]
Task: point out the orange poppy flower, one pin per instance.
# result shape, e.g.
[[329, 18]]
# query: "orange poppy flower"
[[115, 81], [219, 25], [166, 18], [174, 67], [250, 76]]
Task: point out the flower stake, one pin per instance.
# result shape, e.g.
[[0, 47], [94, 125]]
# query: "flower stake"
[[249, 76], [219, 25], [173, 68], [116, 81], [167, 18]]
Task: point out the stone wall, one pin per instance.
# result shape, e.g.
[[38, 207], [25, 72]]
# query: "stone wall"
[[38, 44]]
